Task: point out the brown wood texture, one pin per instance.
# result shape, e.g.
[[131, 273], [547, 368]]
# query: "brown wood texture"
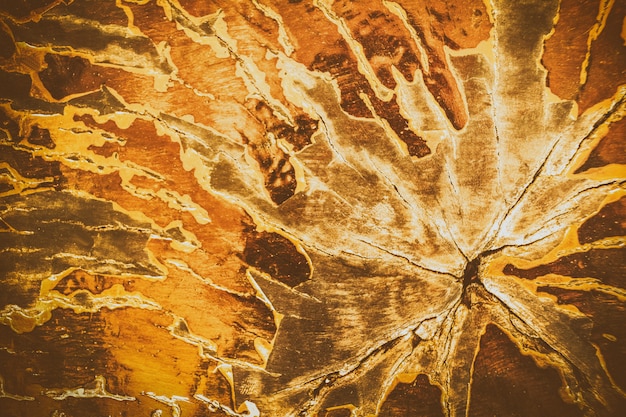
[[312, 208]]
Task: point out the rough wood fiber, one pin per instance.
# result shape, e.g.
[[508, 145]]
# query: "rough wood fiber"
[[312, 208]]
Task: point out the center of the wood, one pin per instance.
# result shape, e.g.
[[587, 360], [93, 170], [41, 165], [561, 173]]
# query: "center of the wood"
[[470, 276], [471, 272]]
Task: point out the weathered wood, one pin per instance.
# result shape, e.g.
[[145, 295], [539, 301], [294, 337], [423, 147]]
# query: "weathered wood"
[[312, 208]]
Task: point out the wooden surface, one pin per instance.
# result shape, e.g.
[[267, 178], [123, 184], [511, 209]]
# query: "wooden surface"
[[312, 208]]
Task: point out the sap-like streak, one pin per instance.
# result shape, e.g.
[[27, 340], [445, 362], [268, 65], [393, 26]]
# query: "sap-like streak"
[[8, 395], [20, 184], [214, 406], [83, 301], [605, 7], [117, 227], [614, 114], [399, 11], [93, 162], [171, 402], [188, 337], [283, 37], [99, 391], [89, 259], [184, 203], [246, 68], [182, 266], [365, 68], [581, 284]]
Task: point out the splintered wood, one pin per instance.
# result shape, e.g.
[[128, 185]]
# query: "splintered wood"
[[312, 208]]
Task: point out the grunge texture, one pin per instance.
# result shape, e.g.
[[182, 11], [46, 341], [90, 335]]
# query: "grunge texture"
[[312, 208]]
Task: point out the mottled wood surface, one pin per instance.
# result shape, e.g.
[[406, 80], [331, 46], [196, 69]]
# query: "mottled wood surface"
[[312, 208]]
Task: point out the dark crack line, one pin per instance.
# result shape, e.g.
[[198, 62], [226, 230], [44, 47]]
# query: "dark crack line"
[[540, 170], [460, 212], [452, 238], [207, 30], [548, 341], [390, 184], [525, 191], [498, 142], [255, 273], [521, 245], [601, 121], [338, 378], [333, 148], [608, 184], [449, 336], [415, 207], [512, 313], [450, 181], [407, 259], [554, 218]]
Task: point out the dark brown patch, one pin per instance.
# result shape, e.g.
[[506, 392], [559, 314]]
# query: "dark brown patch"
[[279, 174], [69, 75], [419, 398], [7, 45], [608, 265], [507, 383], [610, 150], [607, 68], [565, 50], [81, 280], [24, 10], [609, 222], [280, 181], [39, 136], [276, 256], [14, 85], [608, 332], [31, 166], [9, 126], [4, 187], [298, 136], [45, 357]]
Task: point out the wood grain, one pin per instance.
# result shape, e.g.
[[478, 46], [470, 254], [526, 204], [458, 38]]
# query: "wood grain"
[[312, 208]]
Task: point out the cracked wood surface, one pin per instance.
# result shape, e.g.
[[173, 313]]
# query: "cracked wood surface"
[[312, 208]]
